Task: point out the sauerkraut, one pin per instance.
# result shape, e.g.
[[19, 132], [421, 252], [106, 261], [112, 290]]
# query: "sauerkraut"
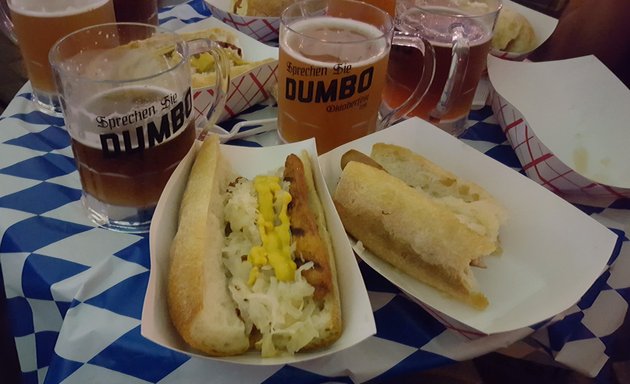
[[284, 313]]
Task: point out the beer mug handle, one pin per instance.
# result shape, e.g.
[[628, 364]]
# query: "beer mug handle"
[[427, 69], [222, 82], [5, 22], [456, 72]]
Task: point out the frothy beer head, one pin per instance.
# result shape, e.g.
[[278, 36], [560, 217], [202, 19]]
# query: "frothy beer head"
[[54, 8], [329, 41]]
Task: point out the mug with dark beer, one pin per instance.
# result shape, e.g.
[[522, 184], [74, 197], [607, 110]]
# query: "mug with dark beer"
[[332, 70], [125, 91]]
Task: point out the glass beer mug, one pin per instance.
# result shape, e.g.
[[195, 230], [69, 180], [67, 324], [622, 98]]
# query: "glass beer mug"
[[460, 33], [332, 70], [35, 25], [125, 91]]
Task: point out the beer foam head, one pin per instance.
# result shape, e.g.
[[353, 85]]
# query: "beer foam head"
[[327, 41], [54, 8]]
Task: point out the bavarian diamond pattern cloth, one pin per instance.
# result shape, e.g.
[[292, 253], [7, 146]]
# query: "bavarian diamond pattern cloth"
[[75, 291]]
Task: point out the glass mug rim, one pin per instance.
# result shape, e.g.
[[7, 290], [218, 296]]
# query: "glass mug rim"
[[422, 4], [389, 25], [177, 40], [13, 5]]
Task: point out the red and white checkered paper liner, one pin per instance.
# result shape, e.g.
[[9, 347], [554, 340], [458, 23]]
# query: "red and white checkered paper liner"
[[514, 56], [541, 165], [260, 28], [246, 90]]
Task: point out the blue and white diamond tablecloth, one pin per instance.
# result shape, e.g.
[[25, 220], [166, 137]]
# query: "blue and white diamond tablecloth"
[[75, 292]]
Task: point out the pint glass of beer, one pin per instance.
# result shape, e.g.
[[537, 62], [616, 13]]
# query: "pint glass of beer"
[[460, 33], [128, 108], [332, 70], [39, 24]]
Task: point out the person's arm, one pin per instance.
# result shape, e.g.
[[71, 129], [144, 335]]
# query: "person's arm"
[[598, 27]]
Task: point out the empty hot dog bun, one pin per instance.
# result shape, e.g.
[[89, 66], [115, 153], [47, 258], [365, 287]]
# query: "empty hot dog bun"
[[513, 32], [251, 264], [422, 219]]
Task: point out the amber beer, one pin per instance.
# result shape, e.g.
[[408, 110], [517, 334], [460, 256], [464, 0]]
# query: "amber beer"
[[436, 27], [388, 6], [330, 91], [128, 158], [39, 24], [402, 81]]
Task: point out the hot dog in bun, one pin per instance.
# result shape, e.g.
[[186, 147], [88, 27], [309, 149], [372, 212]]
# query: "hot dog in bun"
[[251, 264], [202, 65], [422, 219]]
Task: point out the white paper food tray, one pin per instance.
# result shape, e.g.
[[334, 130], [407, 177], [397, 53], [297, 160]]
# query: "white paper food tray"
[[567, 121], [357, 316], [552, 252]]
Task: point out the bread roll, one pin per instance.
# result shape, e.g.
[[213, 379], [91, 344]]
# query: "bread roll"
[[513, 32], [200, 305], [473, 205], [260, 8], [421, 219], [252, 263]]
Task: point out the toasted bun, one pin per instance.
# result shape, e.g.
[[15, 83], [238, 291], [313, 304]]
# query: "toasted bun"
[[406, 229], [513, 32], [260, 8], [420, 218], [473, 205], [198, 299], [211, 303]]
